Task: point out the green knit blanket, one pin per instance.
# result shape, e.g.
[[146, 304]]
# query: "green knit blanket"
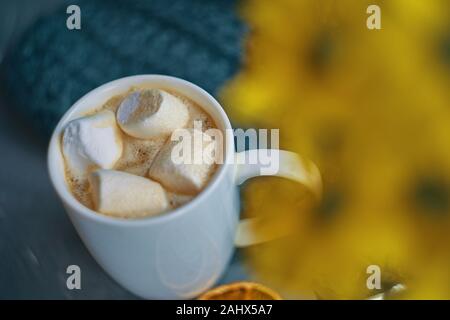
[[198, 40]]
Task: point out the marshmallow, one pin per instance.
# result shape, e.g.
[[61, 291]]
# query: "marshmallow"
[[151, 113], [92, 142], [125, 195], [181, 176]]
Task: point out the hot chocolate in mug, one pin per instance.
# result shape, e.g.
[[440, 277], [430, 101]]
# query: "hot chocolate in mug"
[[181, 253]]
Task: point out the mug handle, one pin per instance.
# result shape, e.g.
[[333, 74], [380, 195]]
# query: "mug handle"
[[290, 166]]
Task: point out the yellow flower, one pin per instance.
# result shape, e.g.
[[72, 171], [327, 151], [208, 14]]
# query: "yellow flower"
[[372, 109]]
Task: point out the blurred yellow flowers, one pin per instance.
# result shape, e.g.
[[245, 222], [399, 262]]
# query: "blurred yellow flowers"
[[371, 109]]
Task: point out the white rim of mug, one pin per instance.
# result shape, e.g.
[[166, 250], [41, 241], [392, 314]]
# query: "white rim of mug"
[[69, 198]]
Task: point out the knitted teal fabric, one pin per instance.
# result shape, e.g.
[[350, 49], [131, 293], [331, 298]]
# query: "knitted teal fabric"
[[198, 40]]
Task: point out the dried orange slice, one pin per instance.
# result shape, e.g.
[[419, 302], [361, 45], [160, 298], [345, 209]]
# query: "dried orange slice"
[[241, 291]]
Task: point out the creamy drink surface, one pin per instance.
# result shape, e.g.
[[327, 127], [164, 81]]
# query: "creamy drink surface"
[[138, 154]]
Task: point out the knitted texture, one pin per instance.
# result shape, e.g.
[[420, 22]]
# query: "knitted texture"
[[197, 40]]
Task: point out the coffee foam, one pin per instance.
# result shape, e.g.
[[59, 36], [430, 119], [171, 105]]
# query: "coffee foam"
[[80, 189], [138, 154]]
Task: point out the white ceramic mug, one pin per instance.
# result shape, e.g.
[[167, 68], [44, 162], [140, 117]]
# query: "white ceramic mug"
[[184, 252]]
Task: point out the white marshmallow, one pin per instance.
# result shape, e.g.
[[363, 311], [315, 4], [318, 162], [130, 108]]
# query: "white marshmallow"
[[125, 195], [151, 113], [92, 142], [181, 176]]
